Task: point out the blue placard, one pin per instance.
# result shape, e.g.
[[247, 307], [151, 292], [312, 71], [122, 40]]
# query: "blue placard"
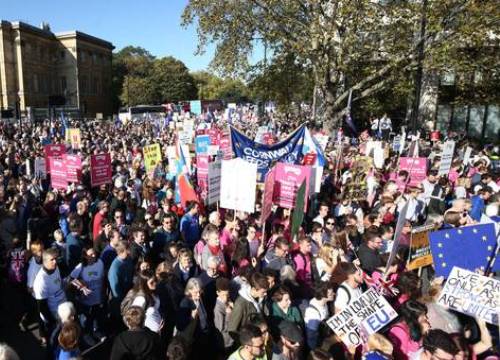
[[195, 107], [202, 143]]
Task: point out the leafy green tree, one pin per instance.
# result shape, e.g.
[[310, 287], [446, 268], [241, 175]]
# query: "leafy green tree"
[[212, 87], [138, 91], [335, 39]]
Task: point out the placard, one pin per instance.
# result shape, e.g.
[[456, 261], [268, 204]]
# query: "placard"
[[225, 147], [288, 179], [75, 138], [446, 158], [73, 168], [416, 167], [467, 155], [202, 174], [100, 169], [58, 178], [420, 250], [471, 294], [368, 313], [214, 175], [202, 142], [322, 140], [152, 157], [40, 168], [195, 107], [55, 151], [238, 183]]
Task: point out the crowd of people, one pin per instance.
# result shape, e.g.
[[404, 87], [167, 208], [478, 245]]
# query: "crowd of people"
[[126, 264]]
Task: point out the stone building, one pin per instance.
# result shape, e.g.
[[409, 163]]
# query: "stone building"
[[39, 68]]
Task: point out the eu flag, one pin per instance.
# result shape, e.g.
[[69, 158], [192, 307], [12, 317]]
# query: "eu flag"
[[469, 247]]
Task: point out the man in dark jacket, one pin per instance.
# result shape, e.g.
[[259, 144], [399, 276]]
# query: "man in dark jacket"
[[138, 342], [368, 252], [74, 243], [249, 301], [139, 248]]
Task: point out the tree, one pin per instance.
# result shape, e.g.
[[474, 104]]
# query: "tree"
[[138, 91], [337, 38], [212, 87], [172, 80]]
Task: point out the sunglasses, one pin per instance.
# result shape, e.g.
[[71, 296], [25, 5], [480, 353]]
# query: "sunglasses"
[[330, 223]]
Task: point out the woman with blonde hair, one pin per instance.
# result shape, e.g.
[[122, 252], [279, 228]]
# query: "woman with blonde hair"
[[378, 347], [326, 262]]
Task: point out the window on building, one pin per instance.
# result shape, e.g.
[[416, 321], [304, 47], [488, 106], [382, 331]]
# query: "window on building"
[[476, 121], [35, 83], [448, 78], [459, 121], [443, 117], [62, 54], [64, 85], [492, 130], [84, 84]]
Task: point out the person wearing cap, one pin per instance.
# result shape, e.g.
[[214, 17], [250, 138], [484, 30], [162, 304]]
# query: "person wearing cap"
[[290, 340]]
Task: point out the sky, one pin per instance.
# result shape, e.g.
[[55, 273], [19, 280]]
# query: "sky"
[[151, 24]]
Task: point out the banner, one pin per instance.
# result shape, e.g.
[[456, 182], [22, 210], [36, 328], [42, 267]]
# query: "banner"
[[267, 196], [472, 294], [40, 168], [100, 169], [363, 316], [420, 250], [287, 151], [58, 178], [73, 168], [202, 174], [416, 167], [214, 176], [299, 209], [238, 183], [287, 181], [202, 142], [152, 157], [55, 151], [446, 158]]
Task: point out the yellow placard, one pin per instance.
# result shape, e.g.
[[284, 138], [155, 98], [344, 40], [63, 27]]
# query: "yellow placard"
[[152, 156], [420, 252], [74, 137]]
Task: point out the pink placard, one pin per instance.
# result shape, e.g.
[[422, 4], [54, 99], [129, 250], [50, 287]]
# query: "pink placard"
[[73, 167], [288, 179], [267, 197], [100, 169], [55, 151], [225, 147], [416, 167], [214, 136], [202, 174], [58, 174]]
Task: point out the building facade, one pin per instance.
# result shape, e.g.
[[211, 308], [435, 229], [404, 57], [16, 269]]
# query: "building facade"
[[39, 68]]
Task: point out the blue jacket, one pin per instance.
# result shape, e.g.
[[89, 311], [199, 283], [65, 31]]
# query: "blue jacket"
[[74, 247], [477, 207], [190, 229]]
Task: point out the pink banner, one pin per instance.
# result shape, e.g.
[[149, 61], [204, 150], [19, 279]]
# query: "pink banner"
[[416, 167], [100, 169], [225, 147], [288, 179], [58, 175], [73, 167], [202, 174], [267, 197], [55, 151], [214, 136]]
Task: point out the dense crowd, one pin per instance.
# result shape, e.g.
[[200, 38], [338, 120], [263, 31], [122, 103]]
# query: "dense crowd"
[[126, 264]]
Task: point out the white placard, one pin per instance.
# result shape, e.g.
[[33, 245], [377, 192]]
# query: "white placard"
[[446, 158], [238, 182], [472, 294], [40, 168], [367, 314], [467, 154], [214, 177]]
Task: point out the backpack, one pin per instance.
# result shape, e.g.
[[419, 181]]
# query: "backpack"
[[17, 266]]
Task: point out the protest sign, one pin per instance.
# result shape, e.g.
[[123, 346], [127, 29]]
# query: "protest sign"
[[368, 313], [202, 174], [58, 178], [397, 236], [288, 179], [472, 294], [322, 140], [171, 156], [420, 250], [73, 167], [100, 169], [446, 158], [184, 137], [55, 151], [202, 142], [75, 138], [40, 168], [467, 154], [214, 136], [356, 187], [237, 187], [195, 107], [152, 157], [225, 147], [267, 196], [416, 167], [214, 177], [396, 143], [309, 159]]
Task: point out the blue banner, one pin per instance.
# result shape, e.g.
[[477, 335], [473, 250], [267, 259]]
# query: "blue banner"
[[287, 151]]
